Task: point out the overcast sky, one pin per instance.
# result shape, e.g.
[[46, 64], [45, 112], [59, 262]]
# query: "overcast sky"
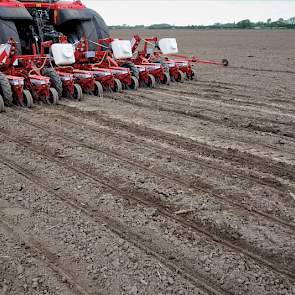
[[183, 12]]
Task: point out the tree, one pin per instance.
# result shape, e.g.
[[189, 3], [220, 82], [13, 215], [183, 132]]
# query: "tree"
[[292, 20], [244, 24]]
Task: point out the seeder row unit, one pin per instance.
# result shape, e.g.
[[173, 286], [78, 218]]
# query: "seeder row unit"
[[62, 69]]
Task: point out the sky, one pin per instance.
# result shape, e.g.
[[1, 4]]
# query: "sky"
[[189, 12]]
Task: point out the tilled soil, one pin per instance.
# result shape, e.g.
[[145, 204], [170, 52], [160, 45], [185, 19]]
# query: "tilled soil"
[[182, 189]]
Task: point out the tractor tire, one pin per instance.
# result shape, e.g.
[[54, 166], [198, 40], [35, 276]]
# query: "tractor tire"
[[53, 97], [2, 107], [93, 29], [98, 89], [8, 30], [5, 90], [55, 80], [133, 69]]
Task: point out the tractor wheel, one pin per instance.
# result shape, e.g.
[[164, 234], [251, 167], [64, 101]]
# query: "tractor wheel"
[[134, 70], [167, 79], [2, 108], [98, 89], [225, 62], [5, 90], [28, 99], [53, 97], [93, 29], [151, 81], [134, 83], [8, 30], [118, 87], [181, 77], [55, 80], [78, 93]]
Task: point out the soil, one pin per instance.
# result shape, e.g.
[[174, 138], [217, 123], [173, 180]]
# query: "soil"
[[181, 189]]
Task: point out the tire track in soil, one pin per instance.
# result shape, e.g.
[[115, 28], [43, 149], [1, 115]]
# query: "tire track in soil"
[[218, 96], [158, 106], [228, 139], [197, 279], [194, 111], [160, 149], [238, 157], [187, 113], [202, 186], [41, 252], [262, 70], [126, 194]]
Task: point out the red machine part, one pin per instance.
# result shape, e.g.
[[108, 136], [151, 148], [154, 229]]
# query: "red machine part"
[[71, 89], [85, 80], [21, 96]]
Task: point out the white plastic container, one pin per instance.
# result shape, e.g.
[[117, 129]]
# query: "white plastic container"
[[121, 49], [63, 54], [168, 46]]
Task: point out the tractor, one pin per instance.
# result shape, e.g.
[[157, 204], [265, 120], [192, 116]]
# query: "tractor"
[[31, 23]]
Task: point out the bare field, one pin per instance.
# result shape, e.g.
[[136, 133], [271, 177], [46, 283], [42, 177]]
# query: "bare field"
[[183, 189]]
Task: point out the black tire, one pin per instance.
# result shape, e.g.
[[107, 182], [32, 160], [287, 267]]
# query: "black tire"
[[193, 76], [167, 79], [92, 29], [78, 93], [53, 97], [151, 81], [5, 90], [98, 89], [8, 30], [225, 62], [181, 77], [28, 99], [2, 107], [132, 67], [134, 83], [55, 80], [165, 66], [118, 85]]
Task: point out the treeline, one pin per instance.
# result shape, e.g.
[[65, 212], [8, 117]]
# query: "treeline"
[[243, 24]]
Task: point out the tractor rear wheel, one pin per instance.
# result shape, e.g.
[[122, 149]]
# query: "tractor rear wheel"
[[55, 80], [2, 108], [93, 29], [8, 30], [5, 90]]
